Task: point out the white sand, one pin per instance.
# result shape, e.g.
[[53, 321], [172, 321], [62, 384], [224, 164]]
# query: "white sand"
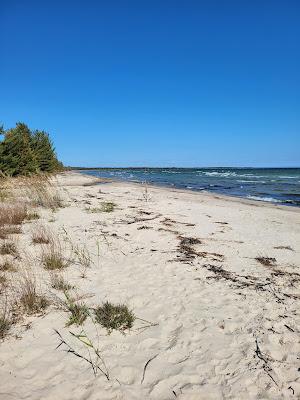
[[208, 320]]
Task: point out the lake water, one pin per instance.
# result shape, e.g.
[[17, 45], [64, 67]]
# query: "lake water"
[[277, 185]]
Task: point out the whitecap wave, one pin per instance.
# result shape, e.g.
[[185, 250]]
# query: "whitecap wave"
[[222, 174], [269, 199], [231, 174], [246, 181]]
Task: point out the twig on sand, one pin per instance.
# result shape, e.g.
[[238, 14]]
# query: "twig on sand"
[[148, 324], [70, 349], [266, 367], [146, 365], [289, 328], [135, 220], [169, 222], [290, 388]]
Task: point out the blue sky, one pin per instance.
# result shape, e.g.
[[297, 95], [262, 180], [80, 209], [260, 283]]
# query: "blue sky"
[[156, 83]]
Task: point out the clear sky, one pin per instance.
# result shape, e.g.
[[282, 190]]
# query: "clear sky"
[[156, 83]]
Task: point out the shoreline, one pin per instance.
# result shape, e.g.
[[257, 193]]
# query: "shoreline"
[[206, 193]]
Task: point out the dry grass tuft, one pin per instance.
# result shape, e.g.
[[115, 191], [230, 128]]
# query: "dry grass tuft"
[[84, 259], [5, 320], [41, 235], [8, 248], [4, 194], [12, 214], [53, 260], [117, 317], [106, 206], [80, 255], [146, 194], [7, 230], [5, 325], [3, 281], [59, 283], [32, 216], [7, 266], [30, 297], [39, 191], [53, 256]]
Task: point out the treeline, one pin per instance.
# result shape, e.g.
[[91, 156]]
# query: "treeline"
[[26, 152]]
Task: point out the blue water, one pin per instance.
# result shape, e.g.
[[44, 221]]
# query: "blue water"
[[277, 185]]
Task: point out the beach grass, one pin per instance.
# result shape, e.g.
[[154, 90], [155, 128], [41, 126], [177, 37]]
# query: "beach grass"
[[114, 316], [8, 247], [78, 311], [58, 282]]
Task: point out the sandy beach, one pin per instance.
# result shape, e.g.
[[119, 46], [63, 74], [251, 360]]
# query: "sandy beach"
[[213, 283]]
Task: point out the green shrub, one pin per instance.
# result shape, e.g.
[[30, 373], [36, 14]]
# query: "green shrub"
[[117, 317], [79, 311]]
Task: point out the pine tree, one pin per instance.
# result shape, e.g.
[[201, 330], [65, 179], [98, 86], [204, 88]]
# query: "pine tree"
[[23, 152], [44, 151], [18, 156]]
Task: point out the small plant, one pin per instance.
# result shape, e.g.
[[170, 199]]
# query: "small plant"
[[8, 248], [41, 235], [32, 216], [41, 193], [5, 321], [13, 214], [97, 362], [57, 202], [3, 281], [79, 311], [4, 326], [34, 303], [4, 195], [266, 261], [31, 300], [108, 206], [146, 193], [117, 317], [52, 256], [53, 261], [84, 259], [59, 283], [7, 230], [81, 253], [93, 210]]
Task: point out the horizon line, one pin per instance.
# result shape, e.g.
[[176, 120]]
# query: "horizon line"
[[168, 167]]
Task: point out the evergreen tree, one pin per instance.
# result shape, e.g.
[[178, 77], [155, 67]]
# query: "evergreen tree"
[[23, 152], [44, 151], [18, 156]]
